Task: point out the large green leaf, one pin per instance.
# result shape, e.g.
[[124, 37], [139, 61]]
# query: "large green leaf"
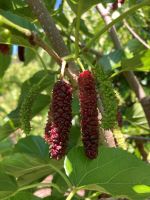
[[114, 171], [30, 161], [8, 185]]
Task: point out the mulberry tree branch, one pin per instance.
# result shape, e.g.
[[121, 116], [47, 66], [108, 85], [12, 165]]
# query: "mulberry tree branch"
[[129, 75], [53, 34]]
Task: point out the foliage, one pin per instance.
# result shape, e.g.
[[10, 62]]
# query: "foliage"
[[24, 159]]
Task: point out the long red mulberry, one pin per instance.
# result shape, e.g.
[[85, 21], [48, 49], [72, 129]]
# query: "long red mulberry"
[[59, 119], [89, 113]]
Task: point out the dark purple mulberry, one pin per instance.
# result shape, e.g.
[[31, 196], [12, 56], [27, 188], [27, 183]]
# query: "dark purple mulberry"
[[59, 119], [89, 113], [4, 49], [21, 53]]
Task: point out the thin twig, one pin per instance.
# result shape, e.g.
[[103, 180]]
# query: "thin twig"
[[50, 51], [144, 139], [140, 146], [135, 34]]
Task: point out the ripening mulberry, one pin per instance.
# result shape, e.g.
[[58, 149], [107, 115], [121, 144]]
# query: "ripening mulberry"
[[59, 119], [89, 113], [108, 98], [26, 108]]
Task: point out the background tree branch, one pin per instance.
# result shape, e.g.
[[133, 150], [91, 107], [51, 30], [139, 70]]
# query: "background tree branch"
[[129, 75]]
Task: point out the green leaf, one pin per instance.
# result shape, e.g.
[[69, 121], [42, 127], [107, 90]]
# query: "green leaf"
[[136, 117], [86, 4], [6, 146], [33, 145], [30, 160], [28, 168], [114, 171], [111, 60], [16, 20], [8, 185], [134, 46], [140, 62]]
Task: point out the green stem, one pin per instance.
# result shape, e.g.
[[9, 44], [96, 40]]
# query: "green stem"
[[72, 193], [118, 19], [80, 64], [62, 175], [43, 185], [43, 64], [78, 28]]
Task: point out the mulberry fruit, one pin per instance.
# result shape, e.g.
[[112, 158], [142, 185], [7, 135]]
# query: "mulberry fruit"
[[108, 98], [26, 108], [21, 53], [4, 49], [89, 113], [59, 119]]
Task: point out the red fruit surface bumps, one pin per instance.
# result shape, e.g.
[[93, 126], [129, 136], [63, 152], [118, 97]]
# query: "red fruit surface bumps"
[[4, 49], [59, 119], [89, 113]]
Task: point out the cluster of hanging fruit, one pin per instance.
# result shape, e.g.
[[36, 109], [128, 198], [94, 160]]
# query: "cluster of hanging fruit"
[[60, 114]]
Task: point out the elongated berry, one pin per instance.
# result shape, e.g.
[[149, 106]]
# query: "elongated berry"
[[59, 119], [89, 113], [108, 98], [26, 108]]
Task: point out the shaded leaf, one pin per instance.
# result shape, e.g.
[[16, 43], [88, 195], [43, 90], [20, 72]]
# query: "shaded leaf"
[[8, 185], [24, 196]]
